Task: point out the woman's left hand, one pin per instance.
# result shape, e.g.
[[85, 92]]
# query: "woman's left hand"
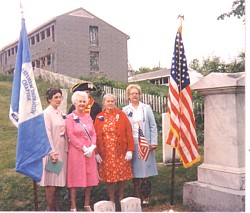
[[153, 146], [88, 151], [54, 158], [128, 155]]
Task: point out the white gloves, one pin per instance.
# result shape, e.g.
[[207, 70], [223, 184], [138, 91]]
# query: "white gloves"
[[88, 151], [98, 158], [128, 156]]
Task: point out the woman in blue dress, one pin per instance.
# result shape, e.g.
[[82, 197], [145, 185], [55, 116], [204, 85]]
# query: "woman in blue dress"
[[141, 117]]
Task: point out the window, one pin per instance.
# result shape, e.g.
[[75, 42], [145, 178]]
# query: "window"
[[5, 57], [93, 36], [37, 63], [48, 32], [32, 40], [48, 59], [94, 61], [37, 37], [42, 35], [53, 33]]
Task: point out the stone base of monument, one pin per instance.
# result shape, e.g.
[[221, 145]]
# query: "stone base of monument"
[[209, 198]]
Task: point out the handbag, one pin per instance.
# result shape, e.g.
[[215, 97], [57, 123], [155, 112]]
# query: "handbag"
[[54, 167]]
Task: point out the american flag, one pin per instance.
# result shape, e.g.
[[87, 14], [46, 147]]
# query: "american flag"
[[143, 146], [182, 133]]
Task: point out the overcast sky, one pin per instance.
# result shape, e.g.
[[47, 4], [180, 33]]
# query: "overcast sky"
[[151, 25]]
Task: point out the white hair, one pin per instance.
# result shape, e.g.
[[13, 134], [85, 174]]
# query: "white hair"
[[79, 93], [108, 95]]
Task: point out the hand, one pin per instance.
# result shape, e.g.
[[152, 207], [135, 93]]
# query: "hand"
[[153, 146], [128, 156], [88, 151], [54, 158], [98, 158]]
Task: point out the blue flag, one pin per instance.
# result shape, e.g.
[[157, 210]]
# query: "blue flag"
[[27, 115]]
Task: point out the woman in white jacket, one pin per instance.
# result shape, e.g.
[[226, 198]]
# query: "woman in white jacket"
[[141, 115]]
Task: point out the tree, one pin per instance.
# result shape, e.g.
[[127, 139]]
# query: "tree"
[[238, 10], [147, 69], [215, 64]]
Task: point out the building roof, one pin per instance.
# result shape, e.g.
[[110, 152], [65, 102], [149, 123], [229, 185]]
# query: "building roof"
[[193, 74], [149, 75]]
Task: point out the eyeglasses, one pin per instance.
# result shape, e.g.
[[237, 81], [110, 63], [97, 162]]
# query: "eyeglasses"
[[58, 97], [134, 93]]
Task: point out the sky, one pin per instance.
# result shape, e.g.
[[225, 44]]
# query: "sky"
[[150, 24]]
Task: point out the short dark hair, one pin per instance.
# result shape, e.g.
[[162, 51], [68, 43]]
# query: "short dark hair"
[[51, 92]]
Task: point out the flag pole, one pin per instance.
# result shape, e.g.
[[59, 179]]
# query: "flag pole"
[[172, 180], [174, 149], [34, 182], [35, 195]]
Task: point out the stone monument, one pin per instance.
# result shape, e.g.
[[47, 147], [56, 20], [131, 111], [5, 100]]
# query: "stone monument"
[[221, 178]]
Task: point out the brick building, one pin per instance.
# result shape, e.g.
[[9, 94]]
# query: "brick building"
[[75, 44]]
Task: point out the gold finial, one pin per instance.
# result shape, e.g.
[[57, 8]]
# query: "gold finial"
[[182, 18], [21, 8]]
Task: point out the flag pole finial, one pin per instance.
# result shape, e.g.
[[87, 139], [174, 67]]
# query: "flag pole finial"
[[181, 18], [21, 8]]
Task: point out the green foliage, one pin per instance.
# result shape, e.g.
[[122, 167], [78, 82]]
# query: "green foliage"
[[6, 78], [153, 89], [215, 64], [199, 116], [147, 69], [238, 10]]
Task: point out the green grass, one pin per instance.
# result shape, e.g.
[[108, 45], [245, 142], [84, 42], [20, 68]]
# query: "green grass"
[[17, 192]]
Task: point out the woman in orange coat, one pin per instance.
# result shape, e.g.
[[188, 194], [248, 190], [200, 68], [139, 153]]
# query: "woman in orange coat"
[[115, 144]]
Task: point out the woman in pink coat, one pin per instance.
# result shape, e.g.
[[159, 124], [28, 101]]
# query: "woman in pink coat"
[[82, 166], [55, 127]]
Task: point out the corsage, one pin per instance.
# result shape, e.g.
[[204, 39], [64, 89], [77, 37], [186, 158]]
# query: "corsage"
[[101, 118], [76, 118], [130, 114], [117, 117], [64, 115]]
